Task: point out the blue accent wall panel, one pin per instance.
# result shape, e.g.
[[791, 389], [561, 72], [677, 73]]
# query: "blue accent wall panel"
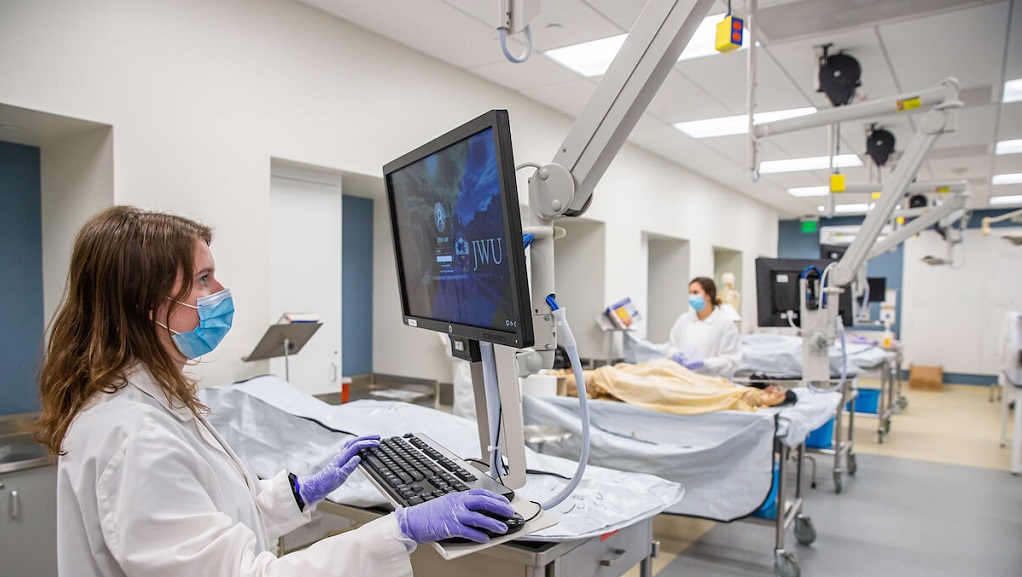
[[21, 292], [357, 285]]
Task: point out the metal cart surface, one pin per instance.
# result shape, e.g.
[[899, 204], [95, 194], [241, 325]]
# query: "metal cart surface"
[[609, 555]]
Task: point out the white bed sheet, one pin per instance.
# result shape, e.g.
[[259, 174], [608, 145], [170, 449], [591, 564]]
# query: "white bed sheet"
[[770, 354], [724, 459], [267, 422], [781, 356]]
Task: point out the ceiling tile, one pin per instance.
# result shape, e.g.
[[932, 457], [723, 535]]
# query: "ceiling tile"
[[624, 13], [959, 168], [568, 97], [1009, 125], [723, 76], [927, 40], [537, 71], [432, 27], [680, 99], [967, 44], [559, 23], [818, 17], [1007, 164]]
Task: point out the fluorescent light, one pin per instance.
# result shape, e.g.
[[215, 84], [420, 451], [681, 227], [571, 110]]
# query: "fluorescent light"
[[593, 58], [846, 208], [1015, 178], [1012, 91], [731, 125], [999, 200], [812, 163], [809, 191], [1008, 147]]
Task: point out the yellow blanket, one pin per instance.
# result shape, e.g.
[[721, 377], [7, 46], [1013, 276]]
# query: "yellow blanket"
[[666, 386]]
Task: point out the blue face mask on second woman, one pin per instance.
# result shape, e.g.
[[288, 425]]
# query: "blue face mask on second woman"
[[216, 313], [697, 302]]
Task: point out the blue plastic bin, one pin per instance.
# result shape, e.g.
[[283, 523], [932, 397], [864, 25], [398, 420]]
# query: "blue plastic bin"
[[868, 401], [822, 438], [768, 510]]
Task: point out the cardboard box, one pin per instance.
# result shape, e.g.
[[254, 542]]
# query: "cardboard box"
[[922, 378]]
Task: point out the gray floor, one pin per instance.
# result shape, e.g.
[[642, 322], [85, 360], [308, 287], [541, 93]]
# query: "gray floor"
[[896, 517]]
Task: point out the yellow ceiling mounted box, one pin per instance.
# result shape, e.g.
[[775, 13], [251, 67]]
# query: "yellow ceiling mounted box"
[[729, 34], [837, 182]]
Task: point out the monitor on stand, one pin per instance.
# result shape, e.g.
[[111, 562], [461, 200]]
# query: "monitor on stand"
[[460, 255]]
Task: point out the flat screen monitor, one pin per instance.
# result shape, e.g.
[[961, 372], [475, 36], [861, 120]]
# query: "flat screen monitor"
[[877, 289], [458, 235], [777, 291]]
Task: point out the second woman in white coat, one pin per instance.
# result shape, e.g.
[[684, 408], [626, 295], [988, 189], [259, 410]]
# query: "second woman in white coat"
[[703, 339]]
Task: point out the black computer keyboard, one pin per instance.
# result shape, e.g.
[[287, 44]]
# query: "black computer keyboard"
[[414, 468]]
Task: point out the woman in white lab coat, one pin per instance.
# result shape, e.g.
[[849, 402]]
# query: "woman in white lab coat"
[[704, 339], [145, 485]]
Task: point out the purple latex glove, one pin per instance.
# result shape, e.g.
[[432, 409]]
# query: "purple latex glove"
[[690, 364], [454, 515], [693, 365], [316, 487]]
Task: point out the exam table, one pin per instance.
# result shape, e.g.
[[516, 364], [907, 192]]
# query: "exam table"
[[605, 527]]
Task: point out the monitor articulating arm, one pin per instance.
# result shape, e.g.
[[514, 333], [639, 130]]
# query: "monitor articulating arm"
[[932, 216], [940, 118], [819, 320], [564, 187]]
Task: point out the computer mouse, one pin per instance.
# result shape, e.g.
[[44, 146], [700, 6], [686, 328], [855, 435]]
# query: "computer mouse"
[[514, 524]]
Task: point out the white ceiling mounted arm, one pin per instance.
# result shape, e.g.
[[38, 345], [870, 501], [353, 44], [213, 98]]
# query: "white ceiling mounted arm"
[[651, 49], [931, 217], [935, 186], [564, 187], [514, 17], [987, 221]]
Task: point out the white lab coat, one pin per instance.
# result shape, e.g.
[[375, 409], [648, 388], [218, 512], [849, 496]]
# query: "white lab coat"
[[147, 488], [715, 341]]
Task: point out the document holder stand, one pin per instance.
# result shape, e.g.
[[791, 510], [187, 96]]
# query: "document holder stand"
[[283, 340]]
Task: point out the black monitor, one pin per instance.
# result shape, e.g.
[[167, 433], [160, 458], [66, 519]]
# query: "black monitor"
[[777, 286], [877, 289], [458, 235], [832, 251]]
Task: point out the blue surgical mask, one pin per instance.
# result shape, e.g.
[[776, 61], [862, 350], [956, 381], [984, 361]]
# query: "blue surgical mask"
[[216, 312], [697, 302]]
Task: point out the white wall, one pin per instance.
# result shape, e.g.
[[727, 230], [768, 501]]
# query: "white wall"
[[952, 317], [202, 95], [667, 285], [76, 174], [581, 264]]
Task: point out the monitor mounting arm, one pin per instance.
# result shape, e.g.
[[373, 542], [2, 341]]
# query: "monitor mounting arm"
[[819, 329], [564, 187]]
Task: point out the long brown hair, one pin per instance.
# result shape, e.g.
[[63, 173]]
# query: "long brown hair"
[[709, 287], [124, 265]]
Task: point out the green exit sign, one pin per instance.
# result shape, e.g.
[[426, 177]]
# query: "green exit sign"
[[809, 226]]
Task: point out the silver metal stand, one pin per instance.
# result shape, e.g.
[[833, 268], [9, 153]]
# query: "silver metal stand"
[[610, 555]]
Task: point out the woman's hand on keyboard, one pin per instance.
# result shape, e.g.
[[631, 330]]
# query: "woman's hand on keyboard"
[[459, 514], [316, 487]]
